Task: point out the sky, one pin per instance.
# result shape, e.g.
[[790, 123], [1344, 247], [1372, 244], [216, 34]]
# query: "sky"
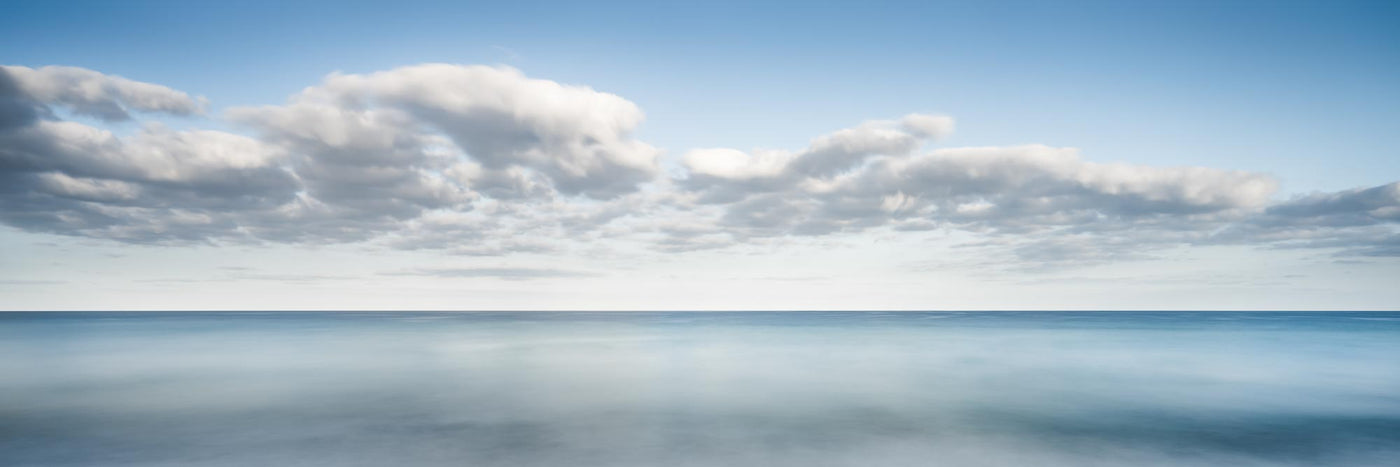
[[708, 156]]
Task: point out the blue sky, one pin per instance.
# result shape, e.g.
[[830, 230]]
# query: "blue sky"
[[1302, 92], [1252, 85]]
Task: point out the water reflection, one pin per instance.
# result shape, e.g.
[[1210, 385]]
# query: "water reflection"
[[648, 389]]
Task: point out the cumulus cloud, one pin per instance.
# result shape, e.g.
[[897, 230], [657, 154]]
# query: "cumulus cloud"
[[486, 124], [726, 175], [883, 181], [70, 178], [485, 161], [158, 183], [94, 94], [356, 157], [1043, 206]]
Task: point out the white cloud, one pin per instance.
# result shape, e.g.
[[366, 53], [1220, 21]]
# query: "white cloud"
[[826, 155], [94, 94], [577, 137], [477, 160], [733, 164]]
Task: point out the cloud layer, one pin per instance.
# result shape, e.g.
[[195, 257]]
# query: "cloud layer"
[[487, 161]]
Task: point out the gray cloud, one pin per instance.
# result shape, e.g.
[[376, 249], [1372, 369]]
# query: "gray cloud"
[[353, 159], [1358, 207], [17, 108], [1357, 222], [159, 184], [69, 178]]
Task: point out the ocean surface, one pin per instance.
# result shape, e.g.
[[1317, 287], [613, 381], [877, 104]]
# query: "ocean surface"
[[700, 389]]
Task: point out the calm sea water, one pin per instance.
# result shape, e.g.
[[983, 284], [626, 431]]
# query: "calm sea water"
[[700, 389]]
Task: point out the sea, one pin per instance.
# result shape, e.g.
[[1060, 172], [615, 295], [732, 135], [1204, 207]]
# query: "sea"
[[660, 389]]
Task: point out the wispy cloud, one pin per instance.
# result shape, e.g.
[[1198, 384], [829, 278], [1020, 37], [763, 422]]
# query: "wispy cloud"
[[22, 282], [505, 273]]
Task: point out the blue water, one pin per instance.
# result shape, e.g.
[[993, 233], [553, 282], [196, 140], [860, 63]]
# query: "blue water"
[[700, 389]]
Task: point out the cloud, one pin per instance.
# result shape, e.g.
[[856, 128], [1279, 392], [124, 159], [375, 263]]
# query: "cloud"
[[1050, 202], [485, 161], [1032, 206], [1356, 222], [87, 92], [725, 174], [1358, 207], [70, 178], [503, 273], [352, 159], [158, 184], [25, 282], [392, 129]]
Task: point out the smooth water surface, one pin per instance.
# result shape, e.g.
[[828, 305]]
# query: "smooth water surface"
[[700, 389]]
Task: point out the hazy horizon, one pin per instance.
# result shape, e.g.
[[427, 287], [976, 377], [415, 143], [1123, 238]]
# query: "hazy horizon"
[[723, 156], [1003, 233]]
